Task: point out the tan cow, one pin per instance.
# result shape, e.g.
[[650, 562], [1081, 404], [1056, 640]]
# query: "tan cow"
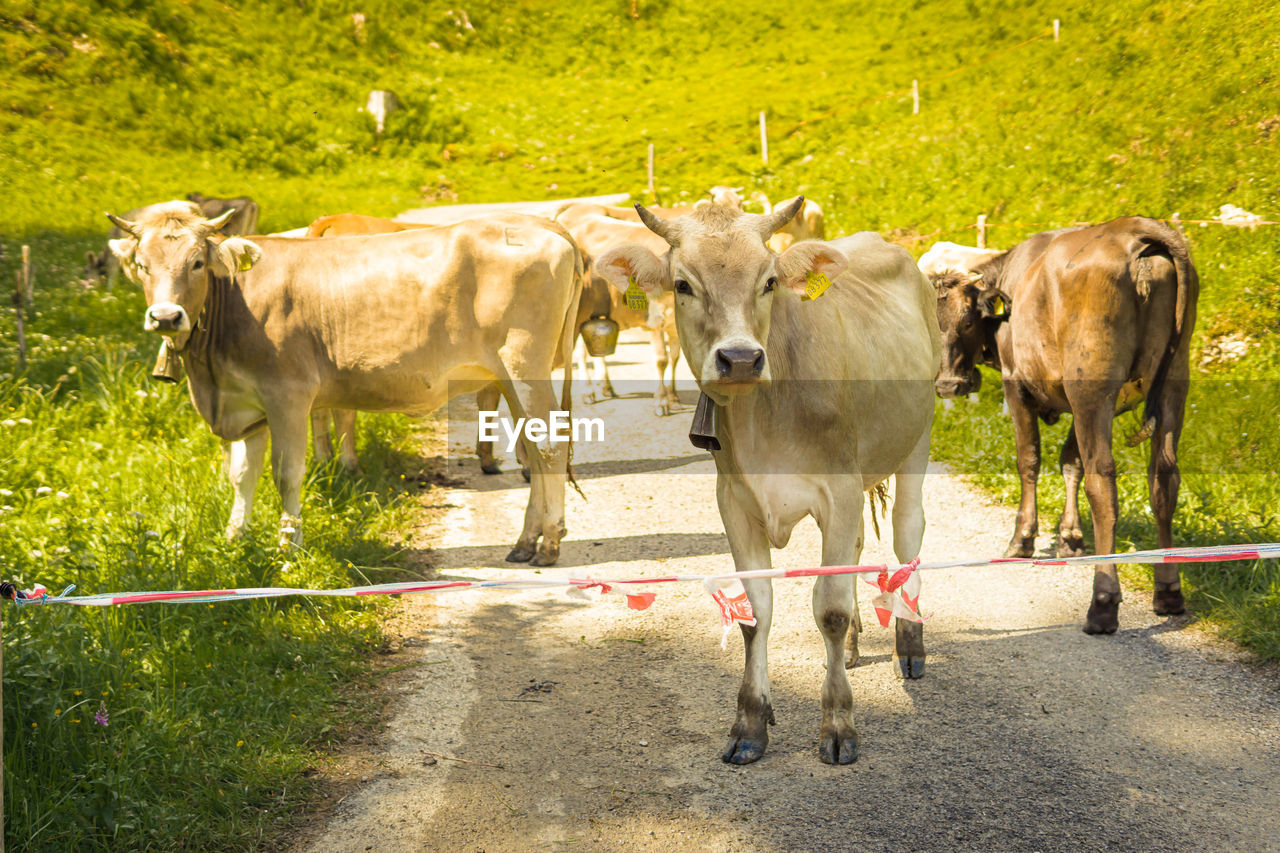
[[271, 329], [1091, 322], [815, 403], [596, 234]]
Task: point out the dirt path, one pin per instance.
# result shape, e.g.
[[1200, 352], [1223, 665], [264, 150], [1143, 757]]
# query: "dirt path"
[[1025, 734]]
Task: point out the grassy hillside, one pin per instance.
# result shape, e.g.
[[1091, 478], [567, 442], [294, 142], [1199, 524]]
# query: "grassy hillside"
[[1142, 107]]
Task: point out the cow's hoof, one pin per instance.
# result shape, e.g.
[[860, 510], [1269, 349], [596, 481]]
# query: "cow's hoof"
[[1104, 614], [521, 554], [1020, 547], [744, 750], [1070, 544], [1167, 599], [838, 747], [851, 658], [491, 467], [546, 556], [911, 666]]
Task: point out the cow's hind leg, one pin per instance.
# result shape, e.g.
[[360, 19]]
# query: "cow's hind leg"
[[321, 438], [244, 460], [487, 401], [1164, 480], [1070, 536], [344, 423], [1093, 429], [833, 611], [908, 534], [548, 463], [749, 735]]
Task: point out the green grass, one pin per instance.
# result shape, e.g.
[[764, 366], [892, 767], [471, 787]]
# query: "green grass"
[[1142, 107]]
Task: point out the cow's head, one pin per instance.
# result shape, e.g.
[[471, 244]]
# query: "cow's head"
[[969, 314], [725, 280], [171, 252]]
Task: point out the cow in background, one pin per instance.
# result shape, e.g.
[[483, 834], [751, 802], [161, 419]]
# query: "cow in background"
[[808, 224], [1089, 322], [816, 403], [270, 329], [945, 257], [244, 212]]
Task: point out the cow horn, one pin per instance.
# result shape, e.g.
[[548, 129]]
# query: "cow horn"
[[657, 225], [217, 222], [782, 214], [123, 224]]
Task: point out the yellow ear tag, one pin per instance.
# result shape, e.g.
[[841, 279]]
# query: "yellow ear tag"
[[815, 285], [998, 308], [245, 264], [635, 297]]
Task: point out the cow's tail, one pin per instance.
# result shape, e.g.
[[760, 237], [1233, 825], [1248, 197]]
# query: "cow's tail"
[[1157, 238], [568, 335]]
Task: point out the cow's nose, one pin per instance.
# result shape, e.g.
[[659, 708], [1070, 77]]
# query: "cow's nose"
[[164, 318], [740, 364]]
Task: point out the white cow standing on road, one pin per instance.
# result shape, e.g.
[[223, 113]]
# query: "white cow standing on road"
[[817, 402]]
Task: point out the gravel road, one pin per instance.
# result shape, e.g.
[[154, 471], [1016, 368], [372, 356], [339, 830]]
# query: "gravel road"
[[607, 724]]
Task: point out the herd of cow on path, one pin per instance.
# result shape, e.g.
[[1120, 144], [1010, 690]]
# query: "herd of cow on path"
[[817, 363]]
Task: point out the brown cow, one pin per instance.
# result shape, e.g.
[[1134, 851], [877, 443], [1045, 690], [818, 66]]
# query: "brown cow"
[[351, 224], [1090, 322]]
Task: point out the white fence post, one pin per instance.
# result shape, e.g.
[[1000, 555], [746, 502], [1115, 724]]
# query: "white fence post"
[[915, 97], [982, 231], [651, 168], [27, 283], [764, 140], [1055, 29]]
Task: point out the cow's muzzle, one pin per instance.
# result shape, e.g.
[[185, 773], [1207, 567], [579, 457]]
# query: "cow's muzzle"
[[166, 318], [950, 386], [739, 364]]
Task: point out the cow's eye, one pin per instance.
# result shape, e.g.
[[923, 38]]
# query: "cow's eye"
[[198, 265], [770, 285], [683, 287]]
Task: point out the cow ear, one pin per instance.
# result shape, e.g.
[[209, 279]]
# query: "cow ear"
[[123, 248], [994, 304], [234, 254], [631, 262], [809, 267]]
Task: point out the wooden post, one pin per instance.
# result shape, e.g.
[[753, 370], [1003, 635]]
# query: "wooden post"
[[915, 97], [651, 191], [1055, 29], [764, 140], [26, 274], [982, 231], [22, 334]]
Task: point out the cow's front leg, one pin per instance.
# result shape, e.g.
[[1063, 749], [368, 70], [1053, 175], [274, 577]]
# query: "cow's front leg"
[[908, 534], [833, 609], [1026, 431], [244, 459], [749, 735], [288, 467], [661, 405], [1070, 536]]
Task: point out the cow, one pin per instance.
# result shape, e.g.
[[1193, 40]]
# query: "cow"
[[596, 234], [244, 217], [945, 257], [1089, 322], [808, 224], [344, 421], [350, 224], [814, 402], [272, 328]]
